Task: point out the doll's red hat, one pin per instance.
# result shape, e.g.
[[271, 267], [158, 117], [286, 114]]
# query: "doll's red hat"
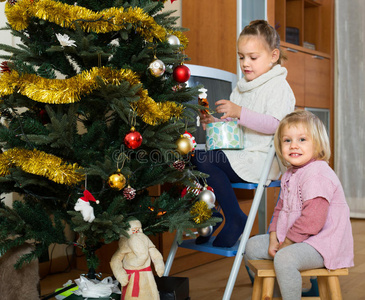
[[89, 197]]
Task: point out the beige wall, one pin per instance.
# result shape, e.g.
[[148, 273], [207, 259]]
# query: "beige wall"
[[175, 6], [5, 36]]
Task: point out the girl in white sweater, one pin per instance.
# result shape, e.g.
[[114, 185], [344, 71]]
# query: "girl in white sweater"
[[259, 101]]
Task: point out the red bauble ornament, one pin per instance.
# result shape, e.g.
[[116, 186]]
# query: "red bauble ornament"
[[181, 73], [44, 116], [133, 139]]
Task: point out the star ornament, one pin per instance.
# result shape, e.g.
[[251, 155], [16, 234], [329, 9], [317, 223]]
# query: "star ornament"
[[65, 41]]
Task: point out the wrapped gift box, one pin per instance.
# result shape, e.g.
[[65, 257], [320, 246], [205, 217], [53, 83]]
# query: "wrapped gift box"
[[224, 135]]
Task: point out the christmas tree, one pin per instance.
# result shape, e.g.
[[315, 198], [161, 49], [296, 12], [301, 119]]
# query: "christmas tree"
[[94, 106]]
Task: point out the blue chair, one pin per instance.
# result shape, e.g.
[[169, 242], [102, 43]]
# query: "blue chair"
[[258, 205]]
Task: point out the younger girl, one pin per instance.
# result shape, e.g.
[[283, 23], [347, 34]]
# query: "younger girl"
[[311, 225], [259, 101]]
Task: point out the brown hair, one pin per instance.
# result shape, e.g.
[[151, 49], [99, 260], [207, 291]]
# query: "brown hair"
[[263, 29], [315, 129]]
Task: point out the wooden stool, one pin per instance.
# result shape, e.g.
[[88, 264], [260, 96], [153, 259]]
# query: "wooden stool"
[[263, 287]]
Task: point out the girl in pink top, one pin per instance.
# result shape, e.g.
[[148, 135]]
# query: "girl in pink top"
[[311, 222]]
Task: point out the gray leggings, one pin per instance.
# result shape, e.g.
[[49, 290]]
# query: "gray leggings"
[[287, 263]]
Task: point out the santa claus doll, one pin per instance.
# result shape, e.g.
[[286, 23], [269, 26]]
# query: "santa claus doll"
[[131, 265]]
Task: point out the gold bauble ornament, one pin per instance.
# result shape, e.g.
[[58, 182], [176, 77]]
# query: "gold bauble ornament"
[[184, 145], [117, 181]]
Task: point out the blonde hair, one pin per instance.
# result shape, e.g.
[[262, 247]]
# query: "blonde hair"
[[262, 28], [315, 129]]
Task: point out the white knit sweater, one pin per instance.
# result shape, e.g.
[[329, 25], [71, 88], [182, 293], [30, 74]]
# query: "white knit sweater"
[[268, 94]]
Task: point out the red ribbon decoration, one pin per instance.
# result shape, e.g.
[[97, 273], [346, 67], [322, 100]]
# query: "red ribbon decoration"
[[135, 290]]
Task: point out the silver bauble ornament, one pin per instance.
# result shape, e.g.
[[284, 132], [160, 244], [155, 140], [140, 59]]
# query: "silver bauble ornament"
[[205, 231], [173, 40], [208, 197], [157, 68]]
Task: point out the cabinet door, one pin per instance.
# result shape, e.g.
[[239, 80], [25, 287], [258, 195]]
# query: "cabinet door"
[[212, 33], [317, 81], [295, 65]]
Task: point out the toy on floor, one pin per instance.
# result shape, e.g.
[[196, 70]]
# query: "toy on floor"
[[131, 265]]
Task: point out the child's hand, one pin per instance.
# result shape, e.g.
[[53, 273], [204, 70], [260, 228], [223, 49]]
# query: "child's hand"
[[286, 243], [206, 119], [228, 108], [274, 244], [273, 248]]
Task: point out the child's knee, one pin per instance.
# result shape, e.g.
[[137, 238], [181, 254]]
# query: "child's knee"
[[282, 259], [251, 248]]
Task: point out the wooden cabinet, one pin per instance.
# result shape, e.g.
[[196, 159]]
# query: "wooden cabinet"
[[309, 75], [212, 33], [296, 61], [306, 29], [317, 81], [312, 20]]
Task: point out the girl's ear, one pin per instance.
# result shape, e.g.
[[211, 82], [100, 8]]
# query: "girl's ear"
[[275, 55]]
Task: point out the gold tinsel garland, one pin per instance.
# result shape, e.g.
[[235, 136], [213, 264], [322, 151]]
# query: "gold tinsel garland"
[[112, 19], [41, 164], [201, 212], [65, 91]]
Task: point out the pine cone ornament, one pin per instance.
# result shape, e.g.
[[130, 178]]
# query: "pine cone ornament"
[[129, 193], [4, 67], [179, 165]]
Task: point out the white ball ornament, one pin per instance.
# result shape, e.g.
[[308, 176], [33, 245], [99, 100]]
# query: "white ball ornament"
[[205, 231], [157, 68], [208, 197], [173, 40]]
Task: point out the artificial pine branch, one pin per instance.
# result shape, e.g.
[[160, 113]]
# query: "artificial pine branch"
[[89, 135]]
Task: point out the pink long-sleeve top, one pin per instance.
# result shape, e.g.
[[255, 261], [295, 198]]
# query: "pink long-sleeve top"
[[302, 214], [259, 122]]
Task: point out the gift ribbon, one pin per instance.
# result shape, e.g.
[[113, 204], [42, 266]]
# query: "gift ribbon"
[[135, 290]]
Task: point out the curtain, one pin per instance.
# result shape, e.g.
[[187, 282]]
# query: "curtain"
[[350, 102]]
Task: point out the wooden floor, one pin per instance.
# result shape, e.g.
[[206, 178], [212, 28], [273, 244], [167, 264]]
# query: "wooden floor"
[[208, 282]]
